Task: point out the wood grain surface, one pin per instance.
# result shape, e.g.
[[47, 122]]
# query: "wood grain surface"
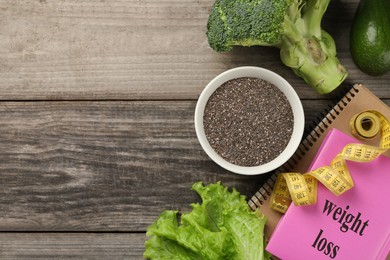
[[71, 245], [100, 166], [97, 101], [135, 49]]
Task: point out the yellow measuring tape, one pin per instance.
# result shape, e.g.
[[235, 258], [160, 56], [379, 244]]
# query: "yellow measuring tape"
[[301, 189]]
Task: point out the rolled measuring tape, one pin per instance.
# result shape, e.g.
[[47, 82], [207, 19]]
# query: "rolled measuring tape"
[[301, 189], [365, 125]]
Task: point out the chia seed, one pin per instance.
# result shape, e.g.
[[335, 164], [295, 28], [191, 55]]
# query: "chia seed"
[[248, 121]]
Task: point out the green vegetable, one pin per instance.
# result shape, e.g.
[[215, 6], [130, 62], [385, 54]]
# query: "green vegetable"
[[294, 26], [370, 37], [222, 227]]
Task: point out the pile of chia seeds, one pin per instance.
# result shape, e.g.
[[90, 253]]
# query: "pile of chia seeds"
[[248, 121]]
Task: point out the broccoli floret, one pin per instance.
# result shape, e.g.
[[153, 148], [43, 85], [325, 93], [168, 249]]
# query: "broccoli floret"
[[294, 26], [245, 23]]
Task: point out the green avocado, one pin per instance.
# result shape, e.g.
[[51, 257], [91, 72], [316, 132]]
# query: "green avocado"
[[370, 37]]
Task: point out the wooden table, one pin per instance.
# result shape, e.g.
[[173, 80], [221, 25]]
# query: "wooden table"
[[97, 105]]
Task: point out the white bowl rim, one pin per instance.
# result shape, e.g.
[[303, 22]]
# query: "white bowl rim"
[[278, 81]]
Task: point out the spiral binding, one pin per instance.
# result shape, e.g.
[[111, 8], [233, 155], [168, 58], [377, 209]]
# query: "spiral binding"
[[317, 128]]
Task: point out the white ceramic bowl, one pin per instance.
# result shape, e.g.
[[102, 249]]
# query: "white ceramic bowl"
[[278, 81]]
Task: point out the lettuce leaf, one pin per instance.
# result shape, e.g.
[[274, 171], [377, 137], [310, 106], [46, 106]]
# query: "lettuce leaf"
[[222, 227]]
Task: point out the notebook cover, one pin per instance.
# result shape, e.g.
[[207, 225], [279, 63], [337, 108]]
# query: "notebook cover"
[[316, 231], [357, 100]]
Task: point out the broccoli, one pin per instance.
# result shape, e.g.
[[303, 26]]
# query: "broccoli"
[[293, 26]]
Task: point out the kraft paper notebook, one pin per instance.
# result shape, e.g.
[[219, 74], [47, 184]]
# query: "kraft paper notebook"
[[354, 225], [358, 99]]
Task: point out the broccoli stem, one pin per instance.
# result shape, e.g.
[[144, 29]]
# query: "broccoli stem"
[[312, 14], [310, 51]]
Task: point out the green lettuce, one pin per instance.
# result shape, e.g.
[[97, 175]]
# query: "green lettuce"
[[222, 227]]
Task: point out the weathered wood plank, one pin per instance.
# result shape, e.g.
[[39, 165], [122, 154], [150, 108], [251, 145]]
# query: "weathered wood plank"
[[100, 165], [71, 50], [72, 245], [103, 166]]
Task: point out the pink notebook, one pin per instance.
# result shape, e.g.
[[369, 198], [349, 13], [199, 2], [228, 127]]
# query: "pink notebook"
[[354, 225]]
